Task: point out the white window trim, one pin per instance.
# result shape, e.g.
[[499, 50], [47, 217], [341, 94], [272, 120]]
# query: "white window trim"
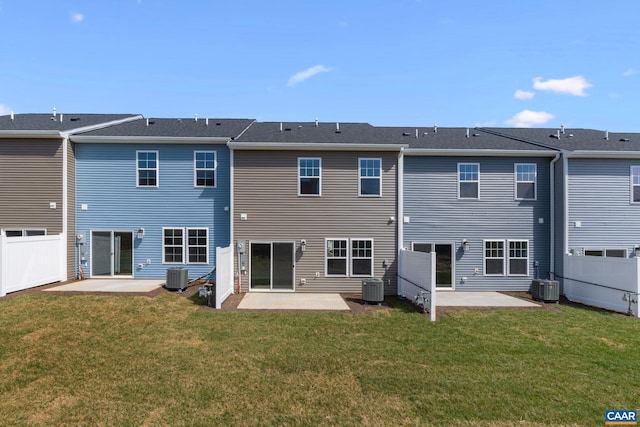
[[632, 185], [327, 258], [360, 177], [485, 258], [214, 169], [508, 257], [319, 159], [351, 258], [459, 181], [185, 246], [157, 169], [516, 182]]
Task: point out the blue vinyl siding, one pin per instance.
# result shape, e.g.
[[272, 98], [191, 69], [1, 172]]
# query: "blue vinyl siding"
[[106, 183], [600, 199], [437, 215]]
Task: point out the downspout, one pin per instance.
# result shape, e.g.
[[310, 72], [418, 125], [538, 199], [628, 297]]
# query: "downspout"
[[552, 207], [565, 178], [400, 216], [65, 202], [231, 213]]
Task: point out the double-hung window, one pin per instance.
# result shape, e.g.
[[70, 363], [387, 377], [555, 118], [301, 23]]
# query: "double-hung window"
[[506, 257], [309, 175], [204, 169], [525, 174], [336, 257], [370, 177], [469, 180], [635, 184], [147, 168], [185, 245], [349, 257]]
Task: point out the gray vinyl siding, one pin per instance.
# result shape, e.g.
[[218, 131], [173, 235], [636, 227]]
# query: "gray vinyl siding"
[[436, 215], [600, 198], [266, 190], [31, 178]]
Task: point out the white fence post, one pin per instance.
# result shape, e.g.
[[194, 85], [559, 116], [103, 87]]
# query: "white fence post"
[[2, 269]]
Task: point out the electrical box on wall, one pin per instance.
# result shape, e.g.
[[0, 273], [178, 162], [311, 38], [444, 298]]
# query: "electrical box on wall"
[[240, 247]]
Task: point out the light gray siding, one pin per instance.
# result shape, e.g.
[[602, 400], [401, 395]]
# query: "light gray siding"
[[266, 190], [436, 215], [601, 214], [30, 179]]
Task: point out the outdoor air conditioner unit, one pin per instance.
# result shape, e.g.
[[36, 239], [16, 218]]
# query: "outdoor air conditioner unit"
[[177, 278], [545, 290], [373, 290]]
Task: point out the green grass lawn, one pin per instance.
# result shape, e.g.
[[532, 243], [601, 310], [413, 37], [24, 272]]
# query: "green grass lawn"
[[138, 361]]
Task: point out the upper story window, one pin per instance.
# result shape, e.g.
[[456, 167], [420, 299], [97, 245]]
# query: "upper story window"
[[469, 180], [204, 169], [309, 175], [25, 232], [635, 184], [525, 181], [147, 168], [370, 173]]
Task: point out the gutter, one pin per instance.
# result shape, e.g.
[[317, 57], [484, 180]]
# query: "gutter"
[[552, 208], [44, 134], [400, 215], [80, 139], [597, 154], [315, 146], [478, 152]]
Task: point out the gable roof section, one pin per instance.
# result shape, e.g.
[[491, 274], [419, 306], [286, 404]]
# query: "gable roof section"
[[579, 142], [49, 126], [317, 136], [469, 142]]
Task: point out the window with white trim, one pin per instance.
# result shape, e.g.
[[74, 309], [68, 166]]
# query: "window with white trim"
[[469, 180], [309, 176], [362, 257], [147, 168], [194, 242], [635, 184], [370, 177], [336, 257], [526, 177], [494, 258], [204, 168], [518, 258], [25, 232]]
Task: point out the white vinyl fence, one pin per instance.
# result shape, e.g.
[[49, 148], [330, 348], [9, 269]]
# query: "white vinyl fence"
[[606, 282], [417, 279], [224, 274], [26, 262]]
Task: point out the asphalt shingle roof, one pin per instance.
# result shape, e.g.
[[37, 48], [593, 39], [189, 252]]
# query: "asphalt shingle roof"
[[39, 122], [457, 139], [576, 139], [176, 128]]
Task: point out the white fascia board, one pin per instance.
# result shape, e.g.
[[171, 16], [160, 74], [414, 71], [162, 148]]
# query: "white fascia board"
[[79, 139], [596, 154], [101, 125], [478, 153], [49, 134], [314, 146]]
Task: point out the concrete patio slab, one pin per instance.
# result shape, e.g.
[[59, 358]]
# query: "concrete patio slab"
[[109, 285], [292, 301], [479, 299]]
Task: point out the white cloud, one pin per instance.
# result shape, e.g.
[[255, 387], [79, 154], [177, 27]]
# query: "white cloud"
[[528, 118], [571, 85], [630, 72], [523, 94], [309, 72], [4, 110], [77, 17]]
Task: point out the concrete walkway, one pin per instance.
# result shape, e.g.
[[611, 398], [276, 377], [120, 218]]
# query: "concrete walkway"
[[479, 299], [109, 285], [291, 301]]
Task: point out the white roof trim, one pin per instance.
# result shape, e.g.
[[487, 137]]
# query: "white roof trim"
[[95, 139], [478, 152], [31, 134], [597, 154], [314, 146]]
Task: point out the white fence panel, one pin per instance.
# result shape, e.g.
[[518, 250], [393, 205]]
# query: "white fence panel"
[[417, 279], [611, 283], [224, 274], [26, 262]]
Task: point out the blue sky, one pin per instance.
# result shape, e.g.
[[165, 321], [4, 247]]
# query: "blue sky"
[[390, 63]]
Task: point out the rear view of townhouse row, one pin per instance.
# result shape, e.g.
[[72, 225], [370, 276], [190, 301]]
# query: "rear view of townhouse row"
[[313, 206]]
